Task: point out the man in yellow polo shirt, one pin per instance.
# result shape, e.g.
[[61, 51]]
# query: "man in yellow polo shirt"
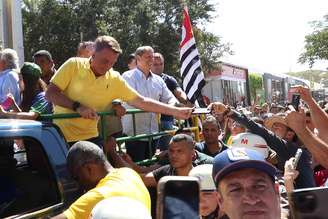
[[88, 164], [89, 85]]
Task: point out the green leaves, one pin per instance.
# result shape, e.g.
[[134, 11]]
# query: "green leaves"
[[316, 43], [59, 25], [255, 83]]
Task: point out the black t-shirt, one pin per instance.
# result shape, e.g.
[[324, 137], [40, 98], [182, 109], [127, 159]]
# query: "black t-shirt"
[[170, 82], [166, 170], [202, 147], [172, 85]]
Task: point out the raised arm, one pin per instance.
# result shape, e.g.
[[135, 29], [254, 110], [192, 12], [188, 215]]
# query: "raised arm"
[[317, 147], [318, 115]]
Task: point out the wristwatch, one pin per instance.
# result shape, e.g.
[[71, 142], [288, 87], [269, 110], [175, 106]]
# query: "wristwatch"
[[116, 102], [76, 105]]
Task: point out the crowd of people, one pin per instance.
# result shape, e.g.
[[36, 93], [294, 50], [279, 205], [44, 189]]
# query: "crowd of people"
[[245, 163]]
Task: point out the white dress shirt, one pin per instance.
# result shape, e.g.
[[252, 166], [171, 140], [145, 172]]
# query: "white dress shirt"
[[153, 87]]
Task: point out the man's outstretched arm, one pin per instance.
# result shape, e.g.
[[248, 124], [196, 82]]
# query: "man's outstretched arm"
[[151, 105]]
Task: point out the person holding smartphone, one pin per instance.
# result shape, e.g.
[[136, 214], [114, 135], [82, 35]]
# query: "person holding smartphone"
[[34, 102]]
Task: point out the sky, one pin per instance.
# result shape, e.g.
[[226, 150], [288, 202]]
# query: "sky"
[[267, 35]]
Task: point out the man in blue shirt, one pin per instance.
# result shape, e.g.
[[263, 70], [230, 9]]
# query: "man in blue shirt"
[[148, 85], [9, 79]]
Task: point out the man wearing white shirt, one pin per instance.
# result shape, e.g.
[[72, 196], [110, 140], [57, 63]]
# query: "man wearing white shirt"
[[149, 85]]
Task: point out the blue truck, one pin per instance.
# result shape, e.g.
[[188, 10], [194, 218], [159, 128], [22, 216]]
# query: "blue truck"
[[34, 180]]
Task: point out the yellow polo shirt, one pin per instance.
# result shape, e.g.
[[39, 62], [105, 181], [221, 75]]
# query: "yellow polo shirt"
[[78, 82], [119, 182]]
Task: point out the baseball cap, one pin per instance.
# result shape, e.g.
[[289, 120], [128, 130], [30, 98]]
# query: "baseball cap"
[[31, 69], [251, 141], [116, 208], [234, 159], [43, 53], [204, 174]]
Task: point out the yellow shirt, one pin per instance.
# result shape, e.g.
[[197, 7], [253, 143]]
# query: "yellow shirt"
[[78, 83], [119, 182]]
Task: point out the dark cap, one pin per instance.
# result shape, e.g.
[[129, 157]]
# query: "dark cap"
[[31, 69], [235, 159], [43, 53]]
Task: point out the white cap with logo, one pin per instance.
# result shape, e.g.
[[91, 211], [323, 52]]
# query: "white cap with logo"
[[251, 141]]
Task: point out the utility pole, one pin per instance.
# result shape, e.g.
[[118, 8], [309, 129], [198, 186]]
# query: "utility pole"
[[11, 27]]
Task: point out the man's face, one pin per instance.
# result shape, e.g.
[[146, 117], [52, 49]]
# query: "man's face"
[[237, 128], [44, 63], [158, 66], [83, 176], [257, 110], [132, 64], [279, 129], [2, 65], [275, 110], [103, 60], [211, 133], [208, 202], [180, 155], [146, 59], [249, 193]]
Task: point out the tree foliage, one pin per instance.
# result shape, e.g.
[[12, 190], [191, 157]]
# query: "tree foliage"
[[59, 25], [316, 43], [317, 76], [255, 83]]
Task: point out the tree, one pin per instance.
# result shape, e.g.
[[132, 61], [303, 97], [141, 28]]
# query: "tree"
[[255, 83], [50, 25], [60, 25], [316, 43]]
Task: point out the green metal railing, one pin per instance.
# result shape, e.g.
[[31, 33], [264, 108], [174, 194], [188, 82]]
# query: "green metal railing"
[[103, 129], [103, 125]]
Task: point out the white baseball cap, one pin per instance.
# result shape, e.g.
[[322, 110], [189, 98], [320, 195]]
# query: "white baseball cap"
[[204, 174], [120, 207], [251, 141]]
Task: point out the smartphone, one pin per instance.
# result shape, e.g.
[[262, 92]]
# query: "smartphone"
[[200, 111], [297, 158], [178, 198], [6, 105], [309, 203], [296, 101]]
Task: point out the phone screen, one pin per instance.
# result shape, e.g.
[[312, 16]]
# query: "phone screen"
[[201, 111], [181, 200], [296, 101]]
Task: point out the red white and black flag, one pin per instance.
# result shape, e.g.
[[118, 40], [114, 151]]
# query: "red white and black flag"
[[191, 71]]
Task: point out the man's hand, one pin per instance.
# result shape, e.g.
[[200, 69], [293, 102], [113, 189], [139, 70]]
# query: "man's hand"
[[119, 110], [217, 107], [296, 120], [182, 112], [304, 92], [87, 113], [290, 173]]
